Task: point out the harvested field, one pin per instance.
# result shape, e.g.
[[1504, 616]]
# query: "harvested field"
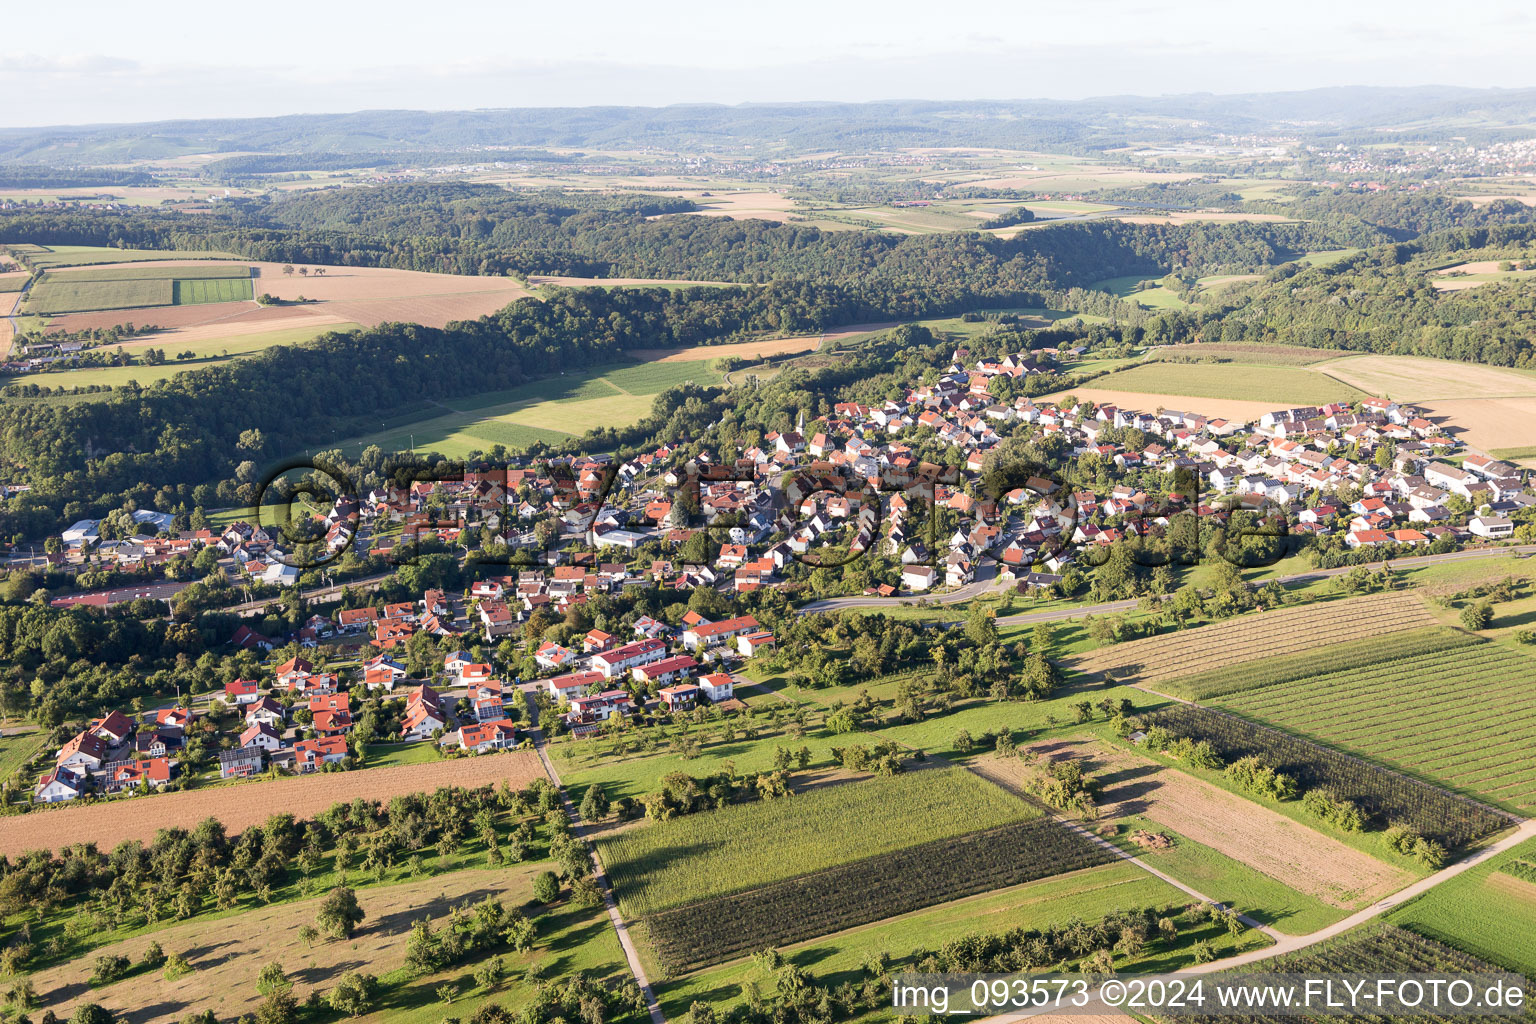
[[1267, 355], [1195, 217], [743, 350], [241, 805], [1285, 850], [1252, 637], [363, 295], [1487, 422], [618, 282], [229, 952], [1416, 379], [1277, 385], [742, 205], [1226, 408]]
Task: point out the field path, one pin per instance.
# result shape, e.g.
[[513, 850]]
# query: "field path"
[[620, 929]]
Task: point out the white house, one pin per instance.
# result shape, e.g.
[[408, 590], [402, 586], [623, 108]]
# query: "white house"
[[717, 687], [1492, 527], [59, 785], [918, 577]]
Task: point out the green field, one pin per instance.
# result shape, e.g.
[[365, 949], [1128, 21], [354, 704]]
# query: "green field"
[[196, 291], [45, 256], [13, 282], [63, 295], [1514, 453], [1293, 385], [1152, 298], [1330, 658], [79, 291], [204, 353], [1463, 717], [129, 273], [713, 853], [1084, 895], [547, 411], [1483, 911]]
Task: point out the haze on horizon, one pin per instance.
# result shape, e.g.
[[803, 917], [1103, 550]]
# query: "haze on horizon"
[[155, 62]]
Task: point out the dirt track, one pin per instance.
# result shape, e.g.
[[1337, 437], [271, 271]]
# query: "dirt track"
[[1269, 842]]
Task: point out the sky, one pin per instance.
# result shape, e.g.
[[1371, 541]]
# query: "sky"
[[90, 61]]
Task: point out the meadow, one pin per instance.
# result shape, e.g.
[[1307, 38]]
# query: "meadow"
[[1284, 385], [1485, 911], [547, 411], [122, 288], [204, 353], [1252, 354], [716, 853], [48, 256], [1463, 717]]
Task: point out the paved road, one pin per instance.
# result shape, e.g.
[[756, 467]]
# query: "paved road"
[[1282, 943], [971, 590], [1291, 943], [614, 917]]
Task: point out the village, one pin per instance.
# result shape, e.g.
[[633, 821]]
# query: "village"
[[1376, 475]]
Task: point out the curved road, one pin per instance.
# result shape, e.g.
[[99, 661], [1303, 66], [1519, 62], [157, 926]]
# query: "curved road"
[[981, 586]]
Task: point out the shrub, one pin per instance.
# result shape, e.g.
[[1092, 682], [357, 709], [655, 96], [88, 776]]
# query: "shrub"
[[546, 887]]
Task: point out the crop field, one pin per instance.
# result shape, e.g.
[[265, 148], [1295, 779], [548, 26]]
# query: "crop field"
[[1373, 949], [1321, 660], [1418, 379], [1283, 385], [244, 804], [198, 291], [95, 289], [1259, 635], [1383, 795], [14, 282], [1464, 717], [548, 411], [713, 931], [1253, 354], [48, 256], [717, 853], [1081, 895], [1486, 911], [62, 295], [1266, 841]]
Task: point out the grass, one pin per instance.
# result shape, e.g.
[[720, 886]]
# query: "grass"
[[1087, 895], [1462, 717], [1336, 657], [1290, 385], [62, 295], [713, 853], [15, 751], [82, 291], [13, 282], [45, 256], [196, 291], [382, 755], [1157, 297], [204, 353], [1528, 452], [1326, 257], [548, 411], [1231, 882], [1483, 911]]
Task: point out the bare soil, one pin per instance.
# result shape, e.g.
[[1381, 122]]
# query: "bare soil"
[[1285, 850], [240, 805]]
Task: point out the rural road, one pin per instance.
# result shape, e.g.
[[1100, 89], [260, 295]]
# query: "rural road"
[[971, 590], [1292, 943], [614, 917]]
